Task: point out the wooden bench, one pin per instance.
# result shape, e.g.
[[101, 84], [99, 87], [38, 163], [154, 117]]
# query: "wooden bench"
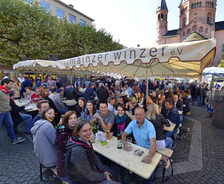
[[167, 152], [53, 170]]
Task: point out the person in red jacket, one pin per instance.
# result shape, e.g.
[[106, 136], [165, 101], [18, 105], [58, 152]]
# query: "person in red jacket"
[[64, 132]]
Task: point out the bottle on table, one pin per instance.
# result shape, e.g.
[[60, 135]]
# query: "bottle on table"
[[95, 129], [119, 141]]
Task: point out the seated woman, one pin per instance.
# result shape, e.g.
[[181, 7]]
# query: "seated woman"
[[44, 137], [81, 163], [80, 107], [130, 106], [64, 132], [147, 103], [158, 121], [89, 112], [121, 120]]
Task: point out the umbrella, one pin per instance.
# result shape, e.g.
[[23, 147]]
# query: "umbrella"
[[213, 71], [39, 66], [51, 67], [186, 59]]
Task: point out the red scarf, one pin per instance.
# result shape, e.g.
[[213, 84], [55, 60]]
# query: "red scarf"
[[12, 100], [4, 90]]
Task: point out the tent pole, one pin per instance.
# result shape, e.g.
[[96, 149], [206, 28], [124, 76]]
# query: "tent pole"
[[71, 76], [147, 83]]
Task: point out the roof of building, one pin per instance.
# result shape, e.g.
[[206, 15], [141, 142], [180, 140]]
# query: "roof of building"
[[219, 25], [162, 5], [195, 36], [171, 32], [73, 9]]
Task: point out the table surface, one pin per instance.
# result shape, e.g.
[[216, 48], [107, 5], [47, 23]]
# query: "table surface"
[[127, 159], [170, 128], [69, 102], [30, 107]]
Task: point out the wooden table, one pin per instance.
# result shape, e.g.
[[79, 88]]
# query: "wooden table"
[[170, 128], [31, 107], [127, 159]]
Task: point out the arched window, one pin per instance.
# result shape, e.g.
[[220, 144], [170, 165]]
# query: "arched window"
[[200, 4], [197, 5], [194, 28], [201, 29], [162, 17], [192, 6], [184, 22], [209, 18], [188, 31], [212, 5], [159, 17]]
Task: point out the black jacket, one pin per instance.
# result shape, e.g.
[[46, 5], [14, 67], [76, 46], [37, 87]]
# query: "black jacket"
[[82, 165], [16, 117], [158, 124], [102, 94]]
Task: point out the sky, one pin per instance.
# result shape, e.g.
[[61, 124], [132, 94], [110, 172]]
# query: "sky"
[[132, 22]]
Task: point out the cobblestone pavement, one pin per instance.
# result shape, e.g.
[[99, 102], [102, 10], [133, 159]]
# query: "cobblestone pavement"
[[18, 164]]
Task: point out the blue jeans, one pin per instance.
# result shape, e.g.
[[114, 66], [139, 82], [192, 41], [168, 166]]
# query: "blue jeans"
[[169, 142], [29, 122], [6, 119], [170, 134], [62, 111], [199, 100]]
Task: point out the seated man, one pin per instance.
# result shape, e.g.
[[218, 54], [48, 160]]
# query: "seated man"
[[105, 117], [172, 115], [35, 97], [41, 105], [56, 98], [111, 103], [17, 116], [144, 134], [178, 103], [29, 92]]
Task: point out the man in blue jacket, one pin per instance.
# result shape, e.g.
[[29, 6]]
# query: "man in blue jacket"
[[89, 93]]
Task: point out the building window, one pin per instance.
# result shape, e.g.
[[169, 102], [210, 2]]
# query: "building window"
[[201, 29], [45, 5], [29, 1], [223, 48], [72, 19], [194, 28], [82, 23], [188, 31], [60, 13], [184, 23], [209, 18]]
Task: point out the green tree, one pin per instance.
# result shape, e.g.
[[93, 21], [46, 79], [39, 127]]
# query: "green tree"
[[221, 63], [30, 32]]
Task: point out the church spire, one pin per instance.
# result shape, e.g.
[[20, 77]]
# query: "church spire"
[[181, 2], [162, 5]]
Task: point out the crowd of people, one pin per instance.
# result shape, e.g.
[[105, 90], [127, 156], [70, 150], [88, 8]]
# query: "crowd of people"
[[61, 133]]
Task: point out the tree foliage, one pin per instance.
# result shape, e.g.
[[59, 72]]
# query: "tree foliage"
[[29, 32], [221, 63]]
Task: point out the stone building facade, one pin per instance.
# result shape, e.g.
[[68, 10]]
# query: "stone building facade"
[[196, 16]]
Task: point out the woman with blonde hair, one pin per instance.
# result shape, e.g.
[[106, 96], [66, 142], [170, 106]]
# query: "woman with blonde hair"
[[16, 87], [154, 116]]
